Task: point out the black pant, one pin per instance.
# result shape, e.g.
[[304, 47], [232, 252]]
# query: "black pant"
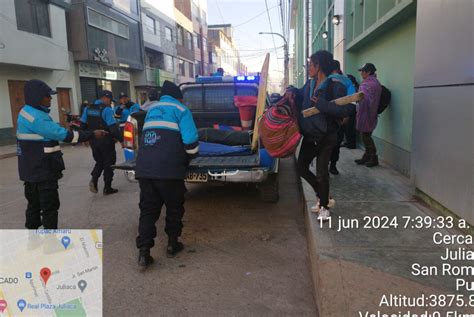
[[104, 156], [322, 151], [370, 149], [350, 131], [43, 205], [337, 148], [153, 194]]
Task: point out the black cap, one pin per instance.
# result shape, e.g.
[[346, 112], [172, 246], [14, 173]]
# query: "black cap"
[[170, 89], [107, 93], [368, 67], [35, 90], [123, 94], [153, 94]]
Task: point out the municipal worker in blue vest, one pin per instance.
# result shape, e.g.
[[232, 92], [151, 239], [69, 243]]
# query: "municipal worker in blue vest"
[[125, 108], [100, 115], [40, 161], [168, 142]]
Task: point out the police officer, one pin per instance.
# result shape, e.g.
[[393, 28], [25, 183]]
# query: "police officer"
[[125, 108], [168, 141], [40, 161], [100, 115]]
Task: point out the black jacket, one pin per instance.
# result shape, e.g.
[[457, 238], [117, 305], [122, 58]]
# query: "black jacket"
[[328, 121]]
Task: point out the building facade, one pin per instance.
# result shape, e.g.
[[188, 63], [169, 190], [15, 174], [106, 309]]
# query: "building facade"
[[184, 41], [106, 40], [42, 26], [201, 55], [384, 33], [159, 37], [224, 51]]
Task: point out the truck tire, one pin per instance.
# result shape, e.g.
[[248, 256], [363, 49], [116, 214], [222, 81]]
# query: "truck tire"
[[269, 189]]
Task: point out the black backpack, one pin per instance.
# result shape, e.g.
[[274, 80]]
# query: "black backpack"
[[384, 99]]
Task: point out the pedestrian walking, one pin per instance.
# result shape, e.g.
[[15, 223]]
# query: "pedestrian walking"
[[40, 161], [338, 75], [350, 132], [320, 131], [101, 116], [168, 142], [367, 113]]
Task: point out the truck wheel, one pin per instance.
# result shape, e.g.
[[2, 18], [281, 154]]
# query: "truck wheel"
[[269, 189]]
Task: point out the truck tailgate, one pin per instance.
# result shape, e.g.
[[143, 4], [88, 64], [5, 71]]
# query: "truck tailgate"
[[207, 162]]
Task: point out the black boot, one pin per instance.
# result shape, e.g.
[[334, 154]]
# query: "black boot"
[[108, 190], [144, 258], [332, 169], [373, 161], [362, 160], [93, 186], [174, 246]]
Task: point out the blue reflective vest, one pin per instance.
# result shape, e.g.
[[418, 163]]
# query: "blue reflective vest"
[[169, 140], [39, 154]]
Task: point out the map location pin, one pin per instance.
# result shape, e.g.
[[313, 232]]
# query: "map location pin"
[[66, 241], [3, 305], [45, 273], [21, 304], [82, 285]]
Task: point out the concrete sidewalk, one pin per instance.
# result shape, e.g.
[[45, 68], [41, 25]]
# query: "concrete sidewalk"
[[352, 269], [7, 151]]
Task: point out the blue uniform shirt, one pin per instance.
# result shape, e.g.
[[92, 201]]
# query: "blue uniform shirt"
[[37, 125], [107, 114]]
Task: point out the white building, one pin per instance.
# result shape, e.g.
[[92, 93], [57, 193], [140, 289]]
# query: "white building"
[[33, 45]]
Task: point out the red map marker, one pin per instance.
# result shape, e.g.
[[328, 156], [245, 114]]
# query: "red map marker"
[[45, 273]]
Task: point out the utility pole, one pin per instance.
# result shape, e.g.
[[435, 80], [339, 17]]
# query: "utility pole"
[[286, 70]]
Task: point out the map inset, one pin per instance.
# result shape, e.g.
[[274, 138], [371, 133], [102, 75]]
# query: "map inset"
[[51, 273]]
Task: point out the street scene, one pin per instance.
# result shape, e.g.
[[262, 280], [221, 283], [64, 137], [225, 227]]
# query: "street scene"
[[236, 158]]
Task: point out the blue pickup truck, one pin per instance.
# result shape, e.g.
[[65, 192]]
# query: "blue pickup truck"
[[211, 101]]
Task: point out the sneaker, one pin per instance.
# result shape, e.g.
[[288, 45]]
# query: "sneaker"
[[331, 204], [110, 191], [324, 214], [93, 186], [145, 259]]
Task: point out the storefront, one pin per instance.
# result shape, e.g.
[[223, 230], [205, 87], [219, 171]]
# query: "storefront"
[[94, 78]]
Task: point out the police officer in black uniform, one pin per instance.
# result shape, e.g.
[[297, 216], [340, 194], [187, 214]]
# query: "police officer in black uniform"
[[168, 142], [40, 162], [100, 115]]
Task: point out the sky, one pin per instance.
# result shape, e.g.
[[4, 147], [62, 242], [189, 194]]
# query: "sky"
[[252, 46]]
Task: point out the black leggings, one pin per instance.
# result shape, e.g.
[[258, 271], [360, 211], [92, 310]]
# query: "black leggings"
[[322, 151]]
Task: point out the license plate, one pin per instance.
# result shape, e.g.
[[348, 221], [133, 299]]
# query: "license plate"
[[197, 177]]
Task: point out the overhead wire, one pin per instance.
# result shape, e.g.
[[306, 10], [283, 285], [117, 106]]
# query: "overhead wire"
[[271, 30]]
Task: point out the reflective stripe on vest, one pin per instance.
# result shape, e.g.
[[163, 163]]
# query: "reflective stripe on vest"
[[52, 149], [75, 137], [26, 115], [29, 136], [161, 124]]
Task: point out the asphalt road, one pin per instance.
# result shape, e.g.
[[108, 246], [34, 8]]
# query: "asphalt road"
[[242, 257]]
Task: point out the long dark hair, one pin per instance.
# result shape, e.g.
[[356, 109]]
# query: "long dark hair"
[[354, 81], [325, 60]]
